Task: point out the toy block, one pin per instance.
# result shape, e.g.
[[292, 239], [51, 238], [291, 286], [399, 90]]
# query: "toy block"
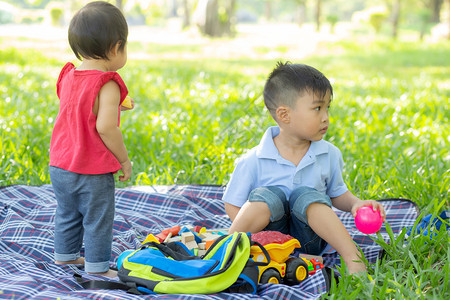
[[211, 237], [217, 230], [202, 246], [208, 236], [150, 238], [174, 230], [209, 243], [161, 237], [187, 236], [176, 238], [188, 239], [201, 252], [199, 229], [168, 237], [192, 245], [190, 227], [185, 229]]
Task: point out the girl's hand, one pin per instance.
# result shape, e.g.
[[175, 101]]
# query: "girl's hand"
[[375, 204], [127, 104], [126, 170]]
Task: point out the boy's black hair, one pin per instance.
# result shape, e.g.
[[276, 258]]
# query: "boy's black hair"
[[96, 29], [289, 81]]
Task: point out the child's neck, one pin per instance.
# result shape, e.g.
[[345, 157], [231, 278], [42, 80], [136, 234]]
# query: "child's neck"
[[290, 148], [94, 64]]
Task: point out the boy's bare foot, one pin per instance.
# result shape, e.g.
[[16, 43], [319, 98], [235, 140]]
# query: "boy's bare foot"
[[109, 273], [356, 267], [78, 261]]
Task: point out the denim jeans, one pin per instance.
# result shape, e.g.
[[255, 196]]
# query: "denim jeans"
[[288, 216], [85, 212]]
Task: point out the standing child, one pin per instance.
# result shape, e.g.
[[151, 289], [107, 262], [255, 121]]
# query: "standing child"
[[289, 182], [87, 144]]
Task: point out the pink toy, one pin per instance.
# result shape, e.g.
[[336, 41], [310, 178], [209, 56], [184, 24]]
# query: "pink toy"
[[367, 220]]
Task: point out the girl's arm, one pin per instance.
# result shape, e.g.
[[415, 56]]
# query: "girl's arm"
[[107, 118]]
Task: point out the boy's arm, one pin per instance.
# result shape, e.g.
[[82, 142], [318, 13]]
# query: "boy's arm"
[[231, 210], [350, 203], [345, 202], [239, 187], [107, 118]]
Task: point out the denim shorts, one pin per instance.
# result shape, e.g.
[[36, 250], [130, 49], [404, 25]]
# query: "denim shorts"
[[289, 215], [85, 213]]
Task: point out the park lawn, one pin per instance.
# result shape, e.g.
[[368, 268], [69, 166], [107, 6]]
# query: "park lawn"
[[193, 118]]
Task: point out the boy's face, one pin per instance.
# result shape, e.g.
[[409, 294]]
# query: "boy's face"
[[309, 120]]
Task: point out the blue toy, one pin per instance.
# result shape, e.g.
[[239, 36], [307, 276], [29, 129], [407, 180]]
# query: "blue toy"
[[435, 226], [122, 257]]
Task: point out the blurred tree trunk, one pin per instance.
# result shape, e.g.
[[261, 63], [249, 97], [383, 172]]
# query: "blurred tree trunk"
[[448, 19], [119, 4], [173, 8], [301, 12], [186, 14], [211, 18], [230, 21], [395, 17], [436, 6], [268, 10], [318, 13], [215, 17]]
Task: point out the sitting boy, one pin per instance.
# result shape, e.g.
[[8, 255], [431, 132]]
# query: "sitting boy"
[[289, 182]]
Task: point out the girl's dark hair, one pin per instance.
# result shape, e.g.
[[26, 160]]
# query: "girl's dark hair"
[[289, 81], [96, 29]]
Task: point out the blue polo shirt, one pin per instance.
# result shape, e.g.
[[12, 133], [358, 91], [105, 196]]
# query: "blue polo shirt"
[[320, 168]]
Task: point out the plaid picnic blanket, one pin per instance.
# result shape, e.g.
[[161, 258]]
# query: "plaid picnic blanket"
[[27, 214]]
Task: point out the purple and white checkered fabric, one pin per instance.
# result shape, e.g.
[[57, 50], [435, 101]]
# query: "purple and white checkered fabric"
[[26, 239]]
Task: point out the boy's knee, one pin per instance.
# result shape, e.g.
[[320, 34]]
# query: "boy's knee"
[[301, 200], [275, 199]]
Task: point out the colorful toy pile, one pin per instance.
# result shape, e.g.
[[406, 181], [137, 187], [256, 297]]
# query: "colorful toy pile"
[[197, 239], [283, 268]]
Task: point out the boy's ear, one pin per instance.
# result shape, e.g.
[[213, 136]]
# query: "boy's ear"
[[283, 114]]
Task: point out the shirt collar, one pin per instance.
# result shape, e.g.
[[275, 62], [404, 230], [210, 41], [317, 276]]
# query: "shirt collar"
[[267, 148]]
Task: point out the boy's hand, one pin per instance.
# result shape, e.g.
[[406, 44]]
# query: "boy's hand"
[[126, 170], [375, 204]]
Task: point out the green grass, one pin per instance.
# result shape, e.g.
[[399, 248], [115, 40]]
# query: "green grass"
[[389, 117]]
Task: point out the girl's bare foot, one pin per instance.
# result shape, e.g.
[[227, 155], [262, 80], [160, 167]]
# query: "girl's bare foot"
[[109, 273], [78, 261]]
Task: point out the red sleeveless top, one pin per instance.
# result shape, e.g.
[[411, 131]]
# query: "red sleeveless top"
[[76, 145]]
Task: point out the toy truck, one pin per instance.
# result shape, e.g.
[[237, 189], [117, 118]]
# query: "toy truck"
[[313, 265], [282, 268]]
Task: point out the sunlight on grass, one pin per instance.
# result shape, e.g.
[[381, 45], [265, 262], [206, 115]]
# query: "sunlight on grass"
[[193, 118]]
